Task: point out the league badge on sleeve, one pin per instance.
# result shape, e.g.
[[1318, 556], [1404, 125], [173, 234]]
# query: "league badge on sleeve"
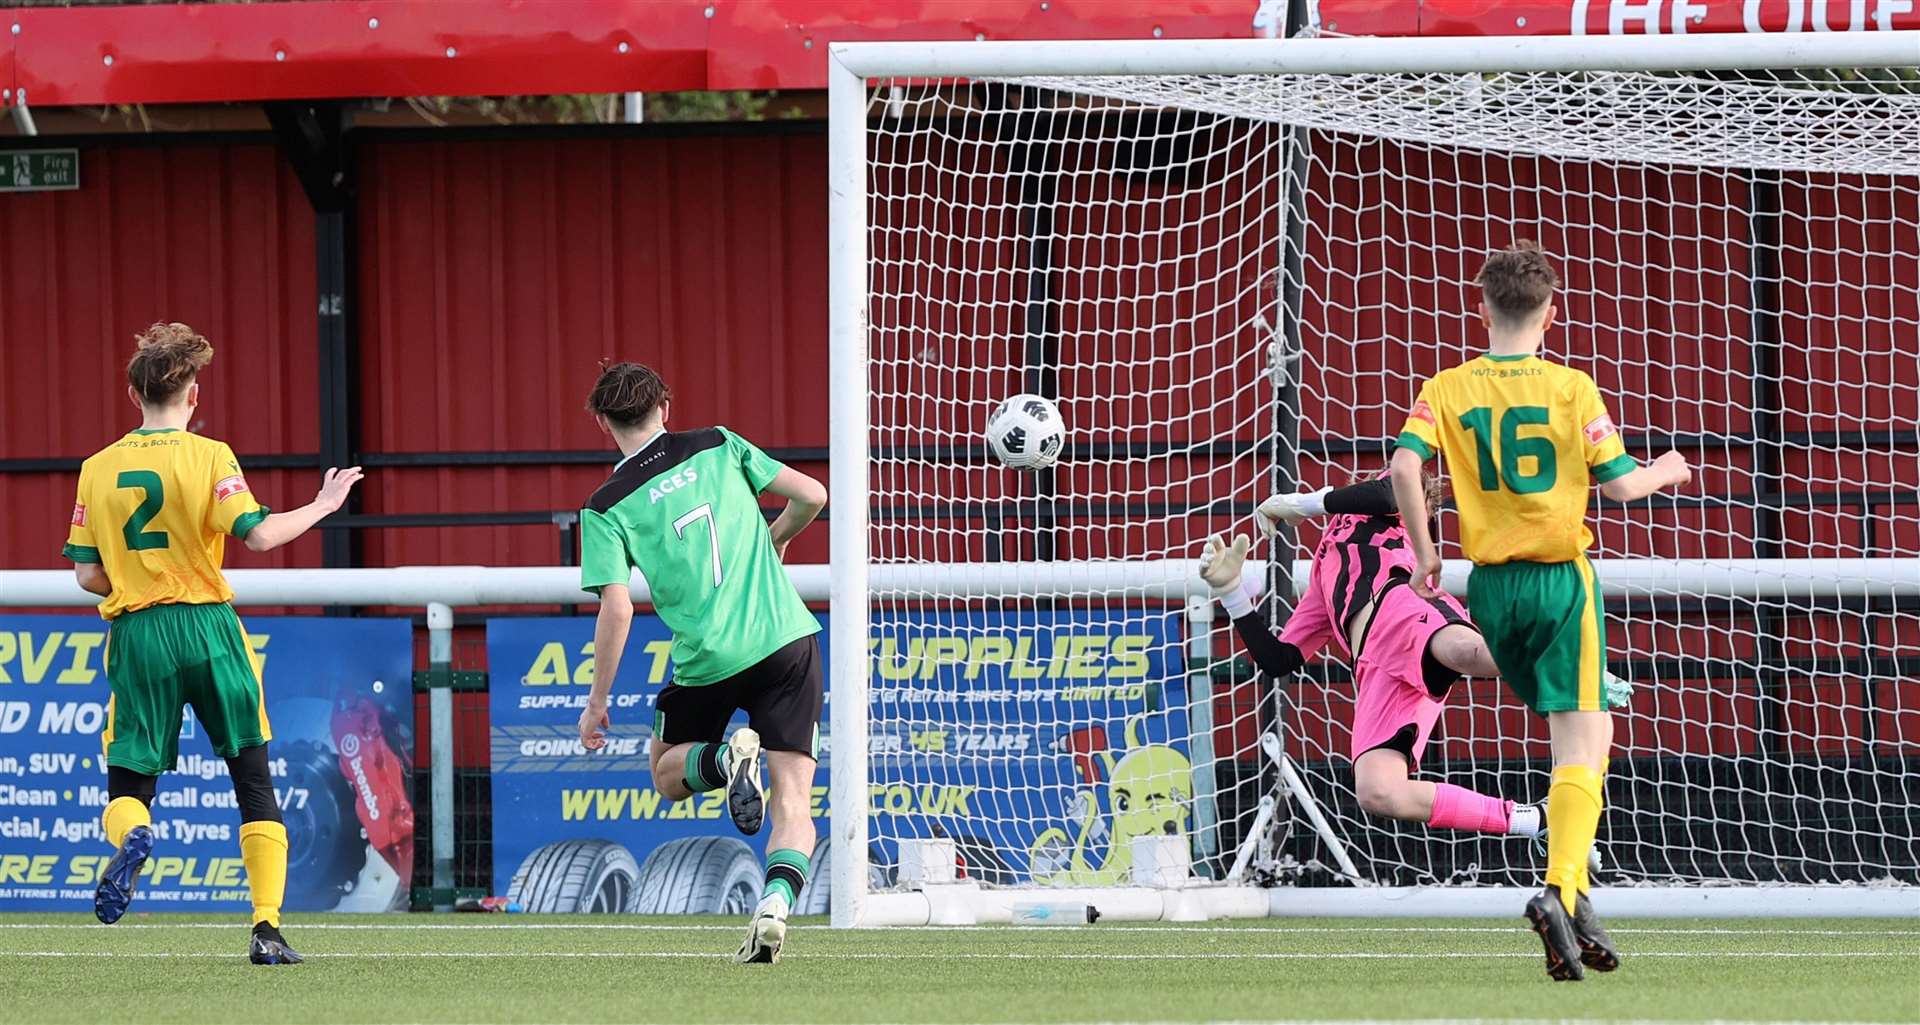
[[227, 487], [1599, 429]]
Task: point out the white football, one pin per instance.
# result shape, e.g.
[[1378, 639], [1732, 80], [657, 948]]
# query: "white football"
[[1026, 432]]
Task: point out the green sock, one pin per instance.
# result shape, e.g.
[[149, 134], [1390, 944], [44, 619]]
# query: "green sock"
[[786, 874], [707, 767]]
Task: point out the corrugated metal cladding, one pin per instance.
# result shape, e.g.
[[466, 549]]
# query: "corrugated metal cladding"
[[495, 276], [218, 236]]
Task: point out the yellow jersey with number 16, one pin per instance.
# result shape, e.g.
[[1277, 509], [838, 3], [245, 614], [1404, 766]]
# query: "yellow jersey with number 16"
[[1524, 440], [154, 509]]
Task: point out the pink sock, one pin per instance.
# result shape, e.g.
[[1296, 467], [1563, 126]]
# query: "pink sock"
[[1459, 808]]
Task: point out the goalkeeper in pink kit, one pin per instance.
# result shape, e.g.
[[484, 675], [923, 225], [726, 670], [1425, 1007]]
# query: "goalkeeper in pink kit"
[[1406, 651]]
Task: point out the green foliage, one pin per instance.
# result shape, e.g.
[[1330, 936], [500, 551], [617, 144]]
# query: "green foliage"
[[737, 105]]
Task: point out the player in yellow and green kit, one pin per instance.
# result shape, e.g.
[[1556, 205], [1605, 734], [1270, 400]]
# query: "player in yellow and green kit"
[[1525, 439], [148, 532]]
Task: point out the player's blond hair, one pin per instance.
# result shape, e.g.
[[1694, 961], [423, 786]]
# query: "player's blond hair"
[[166, 359], [1517, 282]]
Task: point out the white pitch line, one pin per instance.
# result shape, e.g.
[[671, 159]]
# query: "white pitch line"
[[1357, 955], [1281, 930], [1480, 1021], [1475, 1021], [1491, 1021]]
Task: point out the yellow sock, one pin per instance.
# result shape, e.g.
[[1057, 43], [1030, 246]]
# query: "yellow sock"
[[1573, 816], [263, 847], [122, 814], [1585, 885]]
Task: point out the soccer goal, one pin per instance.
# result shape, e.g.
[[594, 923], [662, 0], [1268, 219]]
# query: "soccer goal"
[[1230, 263]]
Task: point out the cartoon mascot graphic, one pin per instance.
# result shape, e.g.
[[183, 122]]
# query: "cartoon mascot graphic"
[[1149, 791]]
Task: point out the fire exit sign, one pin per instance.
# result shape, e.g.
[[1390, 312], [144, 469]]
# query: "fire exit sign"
[[39, 170]]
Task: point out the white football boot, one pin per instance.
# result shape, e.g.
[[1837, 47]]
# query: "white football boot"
[[766, 933]]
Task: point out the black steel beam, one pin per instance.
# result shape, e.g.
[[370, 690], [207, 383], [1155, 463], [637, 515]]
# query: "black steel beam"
[[316, 138], [1031, 163], [1295, 151], [1763, 219]]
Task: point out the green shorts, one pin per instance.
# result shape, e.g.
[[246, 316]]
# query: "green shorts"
[[1543, 624], [163, 658]]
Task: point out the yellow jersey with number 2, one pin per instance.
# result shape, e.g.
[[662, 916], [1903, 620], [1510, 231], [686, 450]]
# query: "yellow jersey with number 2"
[[1524, 440], [155, 509]]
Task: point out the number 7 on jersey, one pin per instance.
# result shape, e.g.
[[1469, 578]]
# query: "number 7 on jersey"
[[713, 534]]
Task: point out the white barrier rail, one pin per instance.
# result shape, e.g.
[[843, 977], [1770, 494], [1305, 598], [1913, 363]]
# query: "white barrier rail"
[[1162, 579]]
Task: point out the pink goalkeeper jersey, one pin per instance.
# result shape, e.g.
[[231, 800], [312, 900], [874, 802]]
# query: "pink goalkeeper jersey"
[[1357, 558]]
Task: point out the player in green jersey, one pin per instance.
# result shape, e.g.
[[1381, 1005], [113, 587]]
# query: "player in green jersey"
[[683, 507]]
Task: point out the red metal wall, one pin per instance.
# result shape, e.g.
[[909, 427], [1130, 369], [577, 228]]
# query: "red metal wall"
[[495, 276], [218, 236]]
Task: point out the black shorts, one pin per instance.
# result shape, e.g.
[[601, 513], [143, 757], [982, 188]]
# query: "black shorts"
[[780, 693]]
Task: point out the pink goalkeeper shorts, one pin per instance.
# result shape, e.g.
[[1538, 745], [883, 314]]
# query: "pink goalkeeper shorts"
[[1390, 678]]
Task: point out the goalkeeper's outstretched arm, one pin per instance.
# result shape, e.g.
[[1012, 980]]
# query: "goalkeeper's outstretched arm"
[[1271, 655], [1274, 656], [1367, 498], [1220, 567]]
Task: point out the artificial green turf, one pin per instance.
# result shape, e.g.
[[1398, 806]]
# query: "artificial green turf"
[[527, 968]]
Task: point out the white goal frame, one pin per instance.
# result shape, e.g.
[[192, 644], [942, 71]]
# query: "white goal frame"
[[851, 65]]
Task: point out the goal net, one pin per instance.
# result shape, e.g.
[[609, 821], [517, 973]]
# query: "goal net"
[[1232, 284]]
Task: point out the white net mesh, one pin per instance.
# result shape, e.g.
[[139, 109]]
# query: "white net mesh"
[[1741, 257]]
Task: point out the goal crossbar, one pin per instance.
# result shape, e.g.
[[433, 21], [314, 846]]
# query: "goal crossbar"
[[1012, 59]]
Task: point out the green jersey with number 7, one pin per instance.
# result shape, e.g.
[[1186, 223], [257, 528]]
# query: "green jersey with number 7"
[[685, 510]]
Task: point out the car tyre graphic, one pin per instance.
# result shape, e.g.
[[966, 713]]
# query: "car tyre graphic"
[[700, 875], [596, 876]]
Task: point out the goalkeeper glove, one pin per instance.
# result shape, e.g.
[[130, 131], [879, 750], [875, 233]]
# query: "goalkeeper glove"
[[1220, 564], [1290, 509], [1619, 691]]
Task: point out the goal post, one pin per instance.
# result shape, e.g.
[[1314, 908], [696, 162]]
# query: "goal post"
[[847, 481], [1101, 222]]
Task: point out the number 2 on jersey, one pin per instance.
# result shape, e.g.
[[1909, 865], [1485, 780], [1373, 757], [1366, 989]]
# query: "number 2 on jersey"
[[713, 534], [1479, 423], [154, 494]]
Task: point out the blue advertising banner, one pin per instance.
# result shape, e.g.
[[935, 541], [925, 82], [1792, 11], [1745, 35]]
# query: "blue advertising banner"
[[340, 701], [1041, 742]]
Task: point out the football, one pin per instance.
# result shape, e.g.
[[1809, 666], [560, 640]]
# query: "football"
[[1026, 432]]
